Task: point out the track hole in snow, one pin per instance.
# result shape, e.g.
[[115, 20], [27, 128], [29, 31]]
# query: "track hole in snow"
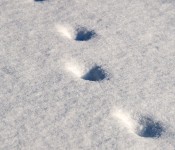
[[84, 34], [95, 74], [149, 128]]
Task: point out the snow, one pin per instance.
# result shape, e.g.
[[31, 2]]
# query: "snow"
[[66, 32], [87, 75]]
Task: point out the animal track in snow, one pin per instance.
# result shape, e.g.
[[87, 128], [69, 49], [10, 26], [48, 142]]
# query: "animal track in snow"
[[78, 34], [83, 34], [149, 128], [145, 127], [96, 73]]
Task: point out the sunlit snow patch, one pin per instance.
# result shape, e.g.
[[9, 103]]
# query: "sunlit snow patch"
[[125, 119], [65, 31], [74, 68]]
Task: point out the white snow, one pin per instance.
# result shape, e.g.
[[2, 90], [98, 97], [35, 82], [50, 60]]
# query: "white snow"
[[87, 75], [65, 31], [74, 69], [125, 120]]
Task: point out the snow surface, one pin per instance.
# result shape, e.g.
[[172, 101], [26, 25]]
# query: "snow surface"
[[87, 75]]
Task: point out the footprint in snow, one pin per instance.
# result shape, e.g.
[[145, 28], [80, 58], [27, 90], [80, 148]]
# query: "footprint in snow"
[[145, 127], [78, 34], [150, 128], [96, 73], [84, 34]]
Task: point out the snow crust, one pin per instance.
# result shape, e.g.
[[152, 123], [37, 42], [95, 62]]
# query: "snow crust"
[[52, 96]]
